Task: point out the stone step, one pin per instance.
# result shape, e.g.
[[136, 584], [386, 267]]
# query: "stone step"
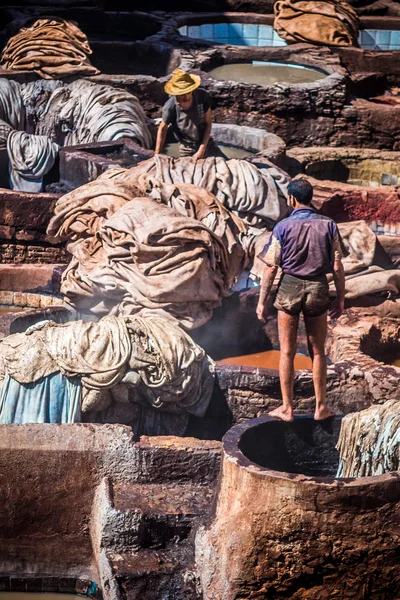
[[154, 574], [141, 516], [184, 460]]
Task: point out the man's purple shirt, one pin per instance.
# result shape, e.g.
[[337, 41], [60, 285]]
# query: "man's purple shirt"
[[306, 243]]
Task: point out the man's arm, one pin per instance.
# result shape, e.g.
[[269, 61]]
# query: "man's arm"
[[265, 288], [206, 137], [339, 279], [161, 137]]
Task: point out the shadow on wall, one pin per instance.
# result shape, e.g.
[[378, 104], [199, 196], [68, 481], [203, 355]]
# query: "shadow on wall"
[[133, 58], [258, 6]]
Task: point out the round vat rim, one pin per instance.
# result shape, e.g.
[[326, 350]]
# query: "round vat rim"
[[288, 55], [233, 453], [246, 369], [278, 63], [315, 155], [270, 141], [247, 18], [329, 77]]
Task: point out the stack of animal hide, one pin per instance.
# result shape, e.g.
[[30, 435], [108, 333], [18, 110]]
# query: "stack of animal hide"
[[64, 114], [257, 195], [369, 442], [154, 358], [324, 22], [132, 254], [362, 275], [197, 203], [84, 112], [31, 157], [53, 48]]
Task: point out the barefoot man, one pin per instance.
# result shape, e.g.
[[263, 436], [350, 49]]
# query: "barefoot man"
[[307, 247]]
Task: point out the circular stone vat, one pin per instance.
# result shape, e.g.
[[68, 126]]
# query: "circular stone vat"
[[234, 33], [298, 532], [266, 73], [240, 142], [282, 107], [362, 168]]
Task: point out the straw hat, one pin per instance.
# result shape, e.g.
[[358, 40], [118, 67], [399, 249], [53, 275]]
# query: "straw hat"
[[181, 83]]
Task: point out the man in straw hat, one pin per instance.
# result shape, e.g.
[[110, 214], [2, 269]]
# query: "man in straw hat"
[[189, 114]]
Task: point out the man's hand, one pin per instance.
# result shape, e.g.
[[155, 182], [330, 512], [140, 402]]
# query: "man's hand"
[[200, 153], [265, 287], [261, 312], [337, 309]]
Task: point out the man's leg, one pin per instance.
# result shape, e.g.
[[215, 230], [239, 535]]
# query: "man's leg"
[[287, 325], [316, 328]]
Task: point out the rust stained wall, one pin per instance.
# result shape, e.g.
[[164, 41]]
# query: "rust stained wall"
[[48, 476], [280, 537]]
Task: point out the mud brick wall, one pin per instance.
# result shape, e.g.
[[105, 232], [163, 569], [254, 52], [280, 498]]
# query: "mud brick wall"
[[24, 218], [16, 253]]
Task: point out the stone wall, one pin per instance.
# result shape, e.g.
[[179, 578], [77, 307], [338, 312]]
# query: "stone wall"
[[75, 497], [23, 221]]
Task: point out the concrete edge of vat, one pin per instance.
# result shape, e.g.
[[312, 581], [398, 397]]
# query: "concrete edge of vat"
[[229, 367], [295, 55], [232, 452]]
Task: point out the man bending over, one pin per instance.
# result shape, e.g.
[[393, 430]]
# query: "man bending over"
[[188, 112], [307, 246]]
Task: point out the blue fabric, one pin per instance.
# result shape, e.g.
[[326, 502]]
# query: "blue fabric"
[[306, 239], [52, 399]]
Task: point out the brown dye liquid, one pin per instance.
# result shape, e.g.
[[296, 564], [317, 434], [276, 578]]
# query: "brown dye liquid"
[[37, 596], [229, 151], [396, 363], [267, 360], [265, 74]]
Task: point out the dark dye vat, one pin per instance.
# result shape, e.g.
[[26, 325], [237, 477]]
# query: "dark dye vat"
[[266, 73], [304, 446], [268, 359]]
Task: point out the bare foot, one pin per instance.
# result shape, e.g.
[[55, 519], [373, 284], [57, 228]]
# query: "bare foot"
[[285, 414], [323, 413]]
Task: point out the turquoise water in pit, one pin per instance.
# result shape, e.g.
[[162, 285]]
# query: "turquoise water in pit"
[[249, 34]]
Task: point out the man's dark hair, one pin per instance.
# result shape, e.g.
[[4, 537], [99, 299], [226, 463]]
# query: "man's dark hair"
[[302, 190]]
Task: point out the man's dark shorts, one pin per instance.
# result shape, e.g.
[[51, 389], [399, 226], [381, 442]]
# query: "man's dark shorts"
[[295, 295]]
